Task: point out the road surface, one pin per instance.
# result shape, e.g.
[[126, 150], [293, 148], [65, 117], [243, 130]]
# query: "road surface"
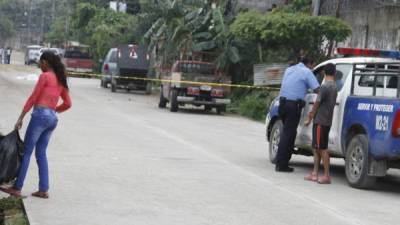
[[115, 158]]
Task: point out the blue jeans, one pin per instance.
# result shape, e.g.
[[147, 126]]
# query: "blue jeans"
[[40, 128]]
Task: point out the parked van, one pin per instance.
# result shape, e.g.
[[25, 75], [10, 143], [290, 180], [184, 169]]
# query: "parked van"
[[109, 67]]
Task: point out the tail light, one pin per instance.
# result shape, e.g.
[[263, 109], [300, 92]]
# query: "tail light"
[[193, 91], [396, 125], [217, 93], [106, 68]]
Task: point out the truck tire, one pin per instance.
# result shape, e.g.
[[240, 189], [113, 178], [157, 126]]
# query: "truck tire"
[[221, 109], [174, 101], [113, 87], [163, 102], [148, 88], [207, 108], [276, 131], [102, 83], [357, 162]]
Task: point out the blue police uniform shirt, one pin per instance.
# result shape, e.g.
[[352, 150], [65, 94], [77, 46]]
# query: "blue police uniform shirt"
[[296, 81]]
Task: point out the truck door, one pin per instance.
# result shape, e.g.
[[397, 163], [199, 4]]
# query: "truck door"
[[343, 84]]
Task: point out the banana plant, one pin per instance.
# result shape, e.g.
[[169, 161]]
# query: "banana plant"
[[191, 26]]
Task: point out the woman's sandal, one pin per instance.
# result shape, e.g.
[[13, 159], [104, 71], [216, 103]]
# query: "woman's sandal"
[[41, 194]]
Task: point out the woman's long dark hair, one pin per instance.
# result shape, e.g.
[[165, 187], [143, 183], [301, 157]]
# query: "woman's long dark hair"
[[58, 67]]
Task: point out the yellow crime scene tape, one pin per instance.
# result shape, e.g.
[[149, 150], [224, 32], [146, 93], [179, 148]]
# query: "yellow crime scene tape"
[[76, 74]]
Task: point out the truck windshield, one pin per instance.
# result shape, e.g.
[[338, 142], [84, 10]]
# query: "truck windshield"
[[195, 68]]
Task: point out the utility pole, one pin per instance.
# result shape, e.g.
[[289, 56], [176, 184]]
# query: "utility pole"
[[317, 5], [53, 10], [66, 37], [29, 21], [42, 27]]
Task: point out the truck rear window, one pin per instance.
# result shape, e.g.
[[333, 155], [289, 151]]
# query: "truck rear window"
[[77, 55], [198, 68]]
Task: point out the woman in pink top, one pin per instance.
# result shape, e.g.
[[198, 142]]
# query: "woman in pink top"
[[52, 85]]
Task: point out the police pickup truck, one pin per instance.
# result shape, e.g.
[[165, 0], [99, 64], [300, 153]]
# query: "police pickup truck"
[[366, 121]]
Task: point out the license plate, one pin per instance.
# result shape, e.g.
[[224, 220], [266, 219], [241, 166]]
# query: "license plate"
[[205, 88]]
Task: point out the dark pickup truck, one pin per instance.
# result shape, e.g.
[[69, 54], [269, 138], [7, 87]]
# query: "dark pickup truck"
[[132, 65]]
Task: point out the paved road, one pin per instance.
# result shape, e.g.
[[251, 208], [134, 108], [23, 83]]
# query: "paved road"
[[116, 158]]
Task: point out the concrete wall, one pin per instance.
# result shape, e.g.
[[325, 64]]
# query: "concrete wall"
[[262, 5], [375, 24]]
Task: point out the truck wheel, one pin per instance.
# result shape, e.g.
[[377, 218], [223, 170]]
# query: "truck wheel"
[[356, 163], [163, 102], [274, 140], [207, 108], [221, 109], [174, 101], [113, 88], [102, 83], [148, 88]]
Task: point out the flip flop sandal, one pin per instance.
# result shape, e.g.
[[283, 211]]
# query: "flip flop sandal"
[[311, 177], [324, 180]]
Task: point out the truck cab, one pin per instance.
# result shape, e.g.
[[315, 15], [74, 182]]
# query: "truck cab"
[[195, 83], [365, 123]]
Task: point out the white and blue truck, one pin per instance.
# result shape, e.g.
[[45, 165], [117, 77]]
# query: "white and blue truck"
[[366, 121]]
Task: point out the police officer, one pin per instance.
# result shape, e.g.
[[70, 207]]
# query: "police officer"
[[296, 81]]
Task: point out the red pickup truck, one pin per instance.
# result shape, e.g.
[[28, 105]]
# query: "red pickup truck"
[[77, 58]]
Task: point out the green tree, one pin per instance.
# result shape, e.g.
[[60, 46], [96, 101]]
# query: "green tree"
[[11, 17], [57, 34], [6, 28], [295, 32], [108, 28]]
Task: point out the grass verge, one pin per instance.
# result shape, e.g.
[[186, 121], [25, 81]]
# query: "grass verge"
[[12, 212], [251, 103]]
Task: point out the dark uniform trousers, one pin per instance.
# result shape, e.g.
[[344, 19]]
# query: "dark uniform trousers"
[[289, 112]]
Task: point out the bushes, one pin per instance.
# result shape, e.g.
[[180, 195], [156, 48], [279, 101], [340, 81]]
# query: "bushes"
[[252, 103]]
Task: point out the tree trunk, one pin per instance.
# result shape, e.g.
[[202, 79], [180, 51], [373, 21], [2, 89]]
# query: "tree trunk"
[[260, 52], [316, 6]]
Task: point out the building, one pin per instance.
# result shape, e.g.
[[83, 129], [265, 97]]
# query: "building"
[[375, 23], [261, 5]]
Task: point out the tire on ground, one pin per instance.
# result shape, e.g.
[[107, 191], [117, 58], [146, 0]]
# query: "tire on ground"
[[162, 102], [174, 105], [357, 162], [274, 140]]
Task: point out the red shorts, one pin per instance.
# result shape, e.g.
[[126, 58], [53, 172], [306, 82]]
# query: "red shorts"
[[320, 136]]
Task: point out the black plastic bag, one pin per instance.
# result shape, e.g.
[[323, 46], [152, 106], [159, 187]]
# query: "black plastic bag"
[[11, 152]]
